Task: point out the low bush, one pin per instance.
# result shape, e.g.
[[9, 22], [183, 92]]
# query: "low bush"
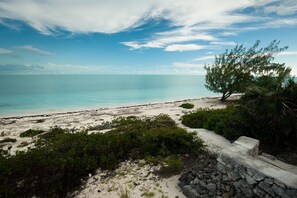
[[61, 159], [31, 133], [187, 106], [8, 140], [227, 122], [196, 119], [40, 121], [173, 165]]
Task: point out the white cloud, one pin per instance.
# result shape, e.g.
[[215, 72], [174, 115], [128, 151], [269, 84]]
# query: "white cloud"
[[281, 23], [183, 47], [5, 51], [115, 16], [190, 20], [282, 7], [132, 45], [31, 49], [204, 58], [229, 33], [187, 65], [231, 43], [287, 53], [165, 39]]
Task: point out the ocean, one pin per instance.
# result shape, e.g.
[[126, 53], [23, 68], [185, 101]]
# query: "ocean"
[[42, 94]]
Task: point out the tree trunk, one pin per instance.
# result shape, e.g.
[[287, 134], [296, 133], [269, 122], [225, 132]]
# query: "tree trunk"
[[225, 96]]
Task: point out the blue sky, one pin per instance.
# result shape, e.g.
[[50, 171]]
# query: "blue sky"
[[137, 37]]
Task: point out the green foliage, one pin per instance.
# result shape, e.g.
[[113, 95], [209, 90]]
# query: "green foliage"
[[8, 140], [196, 119], [173, 165], [148, 194], [233, 71], [187, 106], [123, 193], [273, 106], [267, 111], [31, 133], [40, 121], [226, 122], [61, 159]]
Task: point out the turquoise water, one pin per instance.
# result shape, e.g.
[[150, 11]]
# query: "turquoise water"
[[22, 95]]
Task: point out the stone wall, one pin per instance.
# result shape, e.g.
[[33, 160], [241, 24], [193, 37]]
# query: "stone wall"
[[241, 164], [237, 171]]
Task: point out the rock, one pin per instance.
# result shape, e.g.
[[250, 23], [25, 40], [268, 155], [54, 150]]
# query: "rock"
[[227, 188], [202, 184], [226, 195], [292, 193], [248, 192], [196, 181], [211, 187], [205, 196], [250, 180], [279, 191], [190, 192], [280, 184], [268, 181], [181, 184], [266, 187], [232, 175], [257, 176], [198, 189]]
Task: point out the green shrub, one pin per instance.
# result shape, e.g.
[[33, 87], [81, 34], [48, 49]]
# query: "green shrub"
[[40, 121], [31, 133], [227, 122], [173, 165], [8, 140], [196, 119], [187, 106], [61, 159]]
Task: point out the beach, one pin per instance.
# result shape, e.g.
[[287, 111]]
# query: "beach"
[[130, 175]]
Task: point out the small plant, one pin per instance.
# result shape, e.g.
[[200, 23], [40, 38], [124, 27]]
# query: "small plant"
[[40, 121], [8, 140], [149, 194], [187, 106], [123, 193], [173, 165], [103, 126], [31, 133], [23, 144]]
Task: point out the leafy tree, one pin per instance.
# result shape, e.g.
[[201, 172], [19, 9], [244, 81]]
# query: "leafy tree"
[[233, 71]]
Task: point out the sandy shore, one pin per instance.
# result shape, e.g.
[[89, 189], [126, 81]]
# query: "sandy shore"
[[131, 176]]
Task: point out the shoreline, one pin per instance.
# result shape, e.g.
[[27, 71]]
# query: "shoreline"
[[75, 121], [65, 112]]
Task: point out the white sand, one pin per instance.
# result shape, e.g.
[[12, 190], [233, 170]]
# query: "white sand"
[[136, 179]]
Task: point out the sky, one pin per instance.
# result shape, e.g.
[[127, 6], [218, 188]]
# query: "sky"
[[138, 36]]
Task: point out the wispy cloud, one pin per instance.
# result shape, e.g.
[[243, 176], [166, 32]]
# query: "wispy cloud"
[[5, 51], [287, 53], [113, 16], [190, 21], [18, 68], [184, 47], [34, 50], [167, 39], [187, 65], [282, 7], [225, 43], [203, 58]]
